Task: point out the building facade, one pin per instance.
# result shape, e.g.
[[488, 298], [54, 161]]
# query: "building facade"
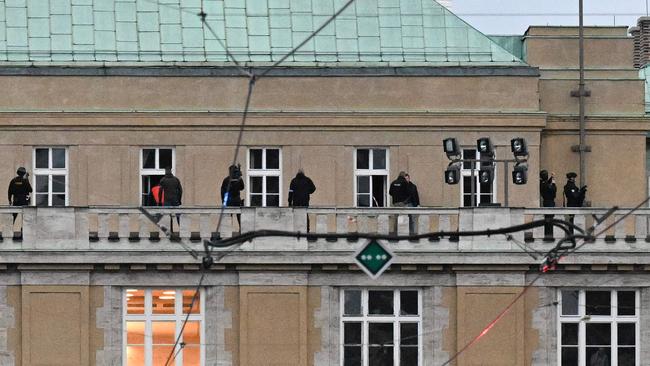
[[99, 97]]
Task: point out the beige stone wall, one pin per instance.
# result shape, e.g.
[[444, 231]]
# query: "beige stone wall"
[[298, 93]]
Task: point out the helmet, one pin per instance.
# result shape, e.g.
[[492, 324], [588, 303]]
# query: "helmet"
[[21, 171]]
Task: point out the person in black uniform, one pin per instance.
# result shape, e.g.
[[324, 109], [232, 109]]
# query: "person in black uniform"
[[574, 197], [19, 190], [399, 191], [231, 187], [547, 191], [300, 188], [170, 193]]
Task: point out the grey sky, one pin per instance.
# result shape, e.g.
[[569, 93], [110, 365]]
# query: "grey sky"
[[494, 18]]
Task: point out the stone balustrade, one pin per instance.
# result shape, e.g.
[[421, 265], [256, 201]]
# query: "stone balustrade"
[[127, 229]]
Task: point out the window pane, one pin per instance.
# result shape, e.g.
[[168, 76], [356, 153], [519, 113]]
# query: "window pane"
[[192, 333], [408, 356], [598, 334], [569, 302], [467, 200], [378, 190], [188, 295], [352, 356], [163, 332], [255, 158], [408, 334], [41, 200], [135, 332], [58, 158], [569, 334], [598, 303], [468, 154], [134, 301], [626, 334], [191, 356], [272, 159], [363, 159], [363, 184], [380, 334], [149, 181], [363, 200], [598, 356], [486, 188], [256, 184], [352, 333], [380, 302], [58, 200], [58, 183], [161, 353], [256, 200], [352, 305], [409, 302], [626, 303], [467, 185], [165, 158], [379, 159], [272, 200], [148, 159], [569, 356], [272, 184], [42, 158], [163, 301], [380, 356], [135, 356], [626, 356], [42, 183]]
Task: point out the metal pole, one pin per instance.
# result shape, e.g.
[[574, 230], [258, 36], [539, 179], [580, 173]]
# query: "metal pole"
[[505, 184], [581, 91], [473, 185]]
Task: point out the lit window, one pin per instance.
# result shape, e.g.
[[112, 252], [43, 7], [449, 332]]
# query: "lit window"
[[50, 176], [483, 192], [153, 162], [598, 327], [381, 327], [153, 319], [371, 177], [264, 175]]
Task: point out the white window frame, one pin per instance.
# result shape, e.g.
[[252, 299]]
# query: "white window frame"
[[468, 173], [148, 317], [370, 172], [49, 171], [158, 170], [264, 173], [395, 319], [612, 319]]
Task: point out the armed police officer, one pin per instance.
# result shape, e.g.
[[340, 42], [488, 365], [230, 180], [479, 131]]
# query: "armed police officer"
[[574, 196], [231, 188], [547, 191], [19, 190]]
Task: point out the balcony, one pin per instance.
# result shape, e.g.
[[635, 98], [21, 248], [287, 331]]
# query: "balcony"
[[124, 234]]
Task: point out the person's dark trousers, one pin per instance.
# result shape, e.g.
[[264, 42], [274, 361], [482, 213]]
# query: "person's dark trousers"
[[548, 226]]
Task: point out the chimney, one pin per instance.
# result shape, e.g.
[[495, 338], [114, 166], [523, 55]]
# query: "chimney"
[[641, 34]]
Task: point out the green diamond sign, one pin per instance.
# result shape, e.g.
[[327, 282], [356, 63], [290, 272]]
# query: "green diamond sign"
[[373, 258]]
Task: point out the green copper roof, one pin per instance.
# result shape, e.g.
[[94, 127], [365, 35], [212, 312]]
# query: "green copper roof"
[[369, 31]]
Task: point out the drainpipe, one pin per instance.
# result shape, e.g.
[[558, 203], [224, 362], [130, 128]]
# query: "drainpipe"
[[581, 93]]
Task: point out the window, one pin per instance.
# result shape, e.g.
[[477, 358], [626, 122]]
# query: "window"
[[484, 193], [153, 162], [153, 319], [264, 177], [51, 176], [381, 327], [598, 327], [371, 177]]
